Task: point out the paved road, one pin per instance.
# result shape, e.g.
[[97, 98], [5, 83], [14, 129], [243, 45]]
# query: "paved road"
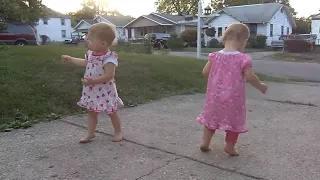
[[162, 141], [300, 71]]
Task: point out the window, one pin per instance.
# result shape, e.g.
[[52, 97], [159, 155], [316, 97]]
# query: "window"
[[288, 30], [63, 33], [219, 31], [271, 30], [319, 29], [63, 21], [253, 29], [45, 21], [282, 29]]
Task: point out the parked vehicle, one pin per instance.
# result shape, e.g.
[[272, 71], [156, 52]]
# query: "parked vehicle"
[[158, 40], [18, 34], [75, 39]]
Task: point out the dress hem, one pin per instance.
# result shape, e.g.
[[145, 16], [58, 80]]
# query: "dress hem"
[[224, 127]]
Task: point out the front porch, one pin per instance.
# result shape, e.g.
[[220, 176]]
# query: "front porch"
[[136, 33]]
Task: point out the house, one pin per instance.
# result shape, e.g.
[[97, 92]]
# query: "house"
[[56, 26], [118, 21], [315, 27], [269, 19], [159, 23]]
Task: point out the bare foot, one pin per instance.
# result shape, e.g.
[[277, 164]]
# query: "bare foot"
[[117, 137], [204, 148], [231, 151], [87, 139]]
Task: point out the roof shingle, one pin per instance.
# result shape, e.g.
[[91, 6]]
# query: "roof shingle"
[[118, 20]]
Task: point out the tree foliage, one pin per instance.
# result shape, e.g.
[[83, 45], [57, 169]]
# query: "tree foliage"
[[303, 25], [25, 11], [180, 7], [91, 8]]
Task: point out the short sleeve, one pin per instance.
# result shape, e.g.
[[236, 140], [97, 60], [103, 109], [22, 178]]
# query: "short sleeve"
[[111, 59], [212, 56], [246, 62]]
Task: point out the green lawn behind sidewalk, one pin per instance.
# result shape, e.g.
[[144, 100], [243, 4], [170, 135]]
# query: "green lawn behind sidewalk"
[[36, 85]]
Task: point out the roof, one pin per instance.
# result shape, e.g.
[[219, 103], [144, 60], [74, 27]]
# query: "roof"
[[88, 21], [55, 14], [255, 13], [119, 21], [316, 17], [162, 19]]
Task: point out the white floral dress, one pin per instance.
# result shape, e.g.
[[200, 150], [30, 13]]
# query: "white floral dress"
[[100, 97]]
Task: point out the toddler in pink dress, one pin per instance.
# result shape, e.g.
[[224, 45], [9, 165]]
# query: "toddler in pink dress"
[[99, 93], [227, 72]]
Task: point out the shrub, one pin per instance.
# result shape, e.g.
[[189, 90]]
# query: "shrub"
[[297, 45], [252, 41], [147, 46], [211, 32], [44, 39], [174, 42], [258, 41], [261, 41], [189, 35], [214, 43]]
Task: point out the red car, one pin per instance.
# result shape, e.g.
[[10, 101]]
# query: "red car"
[[18, 34]]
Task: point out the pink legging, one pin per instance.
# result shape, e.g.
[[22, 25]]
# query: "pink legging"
[[231, 137]]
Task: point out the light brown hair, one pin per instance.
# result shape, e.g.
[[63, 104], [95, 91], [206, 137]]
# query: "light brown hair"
[[104, 32], [238, 32]]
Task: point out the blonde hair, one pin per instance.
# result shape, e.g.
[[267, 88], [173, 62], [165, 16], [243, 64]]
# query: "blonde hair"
[[104, 31], [238, 32]]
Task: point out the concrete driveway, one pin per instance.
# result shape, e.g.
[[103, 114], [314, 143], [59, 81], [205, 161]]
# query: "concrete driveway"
[[263, 64], [162, 141]]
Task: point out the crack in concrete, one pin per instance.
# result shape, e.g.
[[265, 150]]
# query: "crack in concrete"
[[180, 156], [155, 169], [292, 102]]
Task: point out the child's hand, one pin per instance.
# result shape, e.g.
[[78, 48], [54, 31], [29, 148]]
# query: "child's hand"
[[263, 88], [87, 81], [66, 58]]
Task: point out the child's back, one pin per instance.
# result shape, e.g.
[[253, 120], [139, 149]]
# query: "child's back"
[[227, 71], [225, 98]]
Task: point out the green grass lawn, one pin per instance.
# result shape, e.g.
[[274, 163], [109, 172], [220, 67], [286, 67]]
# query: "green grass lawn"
[[36, 85], [209, 50]]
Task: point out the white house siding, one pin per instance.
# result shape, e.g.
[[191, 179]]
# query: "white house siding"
[[222, 21], [83, 25], [121, 33], [315, 29], [278, 20], [54, 29]]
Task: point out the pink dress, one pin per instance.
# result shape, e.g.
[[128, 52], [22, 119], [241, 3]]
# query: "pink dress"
[[100, 97], [225, 106]]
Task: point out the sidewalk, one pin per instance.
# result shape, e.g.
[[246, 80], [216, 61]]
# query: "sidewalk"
[[162, 143]]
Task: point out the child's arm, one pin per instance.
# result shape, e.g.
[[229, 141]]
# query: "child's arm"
[[109, 73], [76, 61], [206, 69], [254, 80]]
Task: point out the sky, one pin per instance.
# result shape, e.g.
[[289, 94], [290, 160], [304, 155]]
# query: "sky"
[[137, 8]]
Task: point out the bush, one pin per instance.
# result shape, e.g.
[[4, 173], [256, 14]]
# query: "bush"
[[297, 46], [261, 41], [147, 46], [44, 39], [211, 32], [189, 35], [174, 42], [214, 43], [258, 41], [252, 41]]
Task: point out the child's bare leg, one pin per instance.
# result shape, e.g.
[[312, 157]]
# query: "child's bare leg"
[[117, 127], [206, 139], [92, 125], [231, 140]]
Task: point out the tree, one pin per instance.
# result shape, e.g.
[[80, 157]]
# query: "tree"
[[303, 26], [91, 8], [24, 11], [180, 7]]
